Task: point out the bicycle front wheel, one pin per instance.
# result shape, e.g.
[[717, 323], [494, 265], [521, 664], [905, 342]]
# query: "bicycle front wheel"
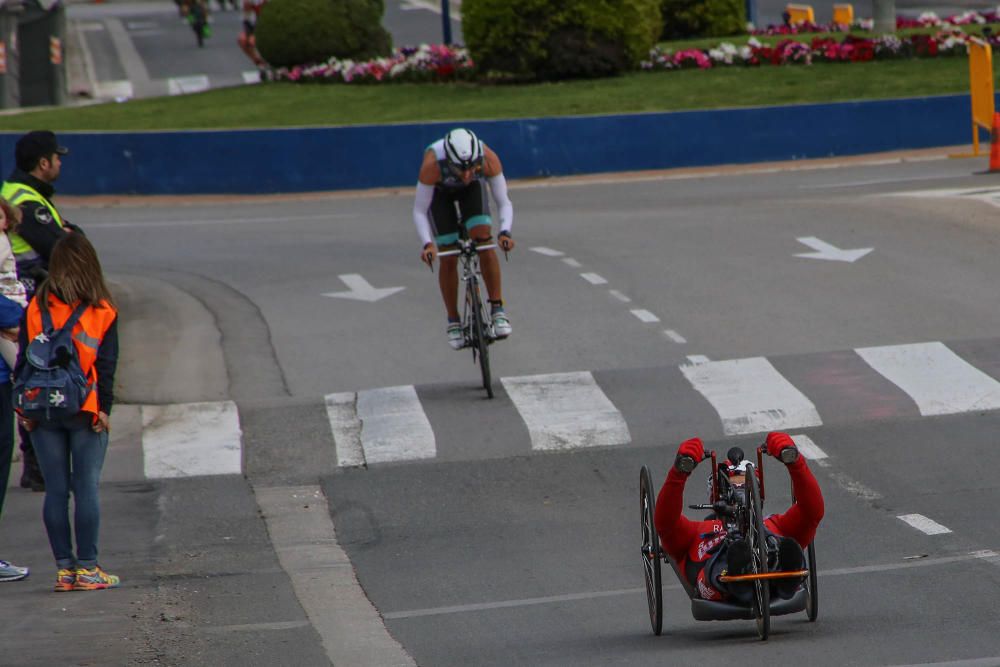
[[754, 530], [480, 339]]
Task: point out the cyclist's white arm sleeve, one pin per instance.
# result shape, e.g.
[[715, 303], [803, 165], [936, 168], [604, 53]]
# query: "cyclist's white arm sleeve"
[[505, 209], [422, 202]]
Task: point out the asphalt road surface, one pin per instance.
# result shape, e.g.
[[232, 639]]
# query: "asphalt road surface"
[[852, 306]]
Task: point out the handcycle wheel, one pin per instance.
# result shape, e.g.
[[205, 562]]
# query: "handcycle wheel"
[[758, 555], [812, 597], [479, 338], [650, 551]]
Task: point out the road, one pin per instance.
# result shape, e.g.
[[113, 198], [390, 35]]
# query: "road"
[[332, 437]]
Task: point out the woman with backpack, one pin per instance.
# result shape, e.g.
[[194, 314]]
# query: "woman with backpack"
[[71, 442]]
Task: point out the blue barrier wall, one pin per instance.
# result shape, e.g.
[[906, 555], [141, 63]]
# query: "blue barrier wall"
[[354, 157]]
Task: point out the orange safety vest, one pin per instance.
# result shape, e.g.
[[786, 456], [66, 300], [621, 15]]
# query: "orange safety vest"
[[87, 336]]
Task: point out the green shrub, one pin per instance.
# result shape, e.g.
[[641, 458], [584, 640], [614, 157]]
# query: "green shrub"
[[683, 19], [300, 32], [538, 39]]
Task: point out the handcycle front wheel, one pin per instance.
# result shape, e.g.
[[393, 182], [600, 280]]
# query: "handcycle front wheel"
[[650, 551], [480, 340], [758, 555], [812, 592]]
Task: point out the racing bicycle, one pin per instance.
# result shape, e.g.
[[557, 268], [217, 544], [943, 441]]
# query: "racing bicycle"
[[477, 322], [742, 514]]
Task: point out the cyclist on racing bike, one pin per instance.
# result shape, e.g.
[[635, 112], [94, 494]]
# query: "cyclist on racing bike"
[[455, 171], [699, 548]]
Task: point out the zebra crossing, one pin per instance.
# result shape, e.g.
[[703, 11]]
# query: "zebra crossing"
[[615, 408]]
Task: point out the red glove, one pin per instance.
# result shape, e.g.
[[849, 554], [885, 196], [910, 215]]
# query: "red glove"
[[692, 448], [778, 442]]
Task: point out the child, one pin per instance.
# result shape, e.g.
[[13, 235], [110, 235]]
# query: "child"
[[10, 286]]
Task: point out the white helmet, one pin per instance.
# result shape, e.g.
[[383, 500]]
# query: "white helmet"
[[463, 149]]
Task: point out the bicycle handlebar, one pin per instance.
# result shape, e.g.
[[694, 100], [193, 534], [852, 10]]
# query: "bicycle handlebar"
[[686, 463], [459, 251], [786, 455]]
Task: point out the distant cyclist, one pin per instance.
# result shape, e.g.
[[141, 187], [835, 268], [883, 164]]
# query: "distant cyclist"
[[455, 172]]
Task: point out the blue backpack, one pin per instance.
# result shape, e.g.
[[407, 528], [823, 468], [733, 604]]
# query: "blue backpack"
[[51, 384]]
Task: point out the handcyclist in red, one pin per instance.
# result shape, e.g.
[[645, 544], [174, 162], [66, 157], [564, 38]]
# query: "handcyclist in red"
[[699, 548]]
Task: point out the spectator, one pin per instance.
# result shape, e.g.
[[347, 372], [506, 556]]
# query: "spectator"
[[71, 450], [38, 163], [11, 311]]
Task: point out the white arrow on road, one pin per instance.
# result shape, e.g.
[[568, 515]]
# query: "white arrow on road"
[[826, 251], [360, 290]]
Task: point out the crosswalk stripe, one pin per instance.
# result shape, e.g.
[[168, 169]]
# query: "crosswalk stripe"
[[808, 448], [342, 411], [566, 411], [751, 396], [938, 380], [923, 524], [191, 439], [394, 426]]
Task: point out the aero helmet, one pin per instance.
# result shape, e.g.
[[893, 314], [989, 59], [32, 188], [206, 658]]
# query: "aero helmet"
[[463, 149]]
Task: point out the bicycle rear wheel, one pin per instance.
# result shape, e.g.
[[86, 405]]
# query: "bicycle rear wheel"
[[480, 340], [754, 531], [650, 551]]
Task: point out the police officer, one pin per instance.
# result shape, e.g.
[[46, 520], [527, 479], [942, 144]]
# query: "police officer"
[[38, 161]]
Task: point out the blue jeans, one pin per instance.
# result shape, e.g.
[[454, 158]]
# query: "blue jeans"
[[71, 456]]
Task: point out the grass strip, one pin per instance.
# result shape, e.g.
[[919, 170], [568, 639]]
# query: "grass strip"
[[303, 105]]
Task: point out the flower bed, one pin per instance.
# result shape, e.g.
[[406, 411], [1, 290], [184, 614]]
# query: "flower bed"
[[442, 63], [414, 64]]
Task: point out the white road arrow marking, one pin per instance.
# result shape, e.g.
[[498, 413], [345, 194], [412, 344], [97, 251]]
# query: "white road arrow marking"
[[360, 290], [826, 251]]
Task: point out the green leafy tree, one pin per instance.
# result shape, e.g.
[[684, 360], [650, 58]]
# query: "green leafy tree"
[[301, 32], [539, 39], [703, 18]]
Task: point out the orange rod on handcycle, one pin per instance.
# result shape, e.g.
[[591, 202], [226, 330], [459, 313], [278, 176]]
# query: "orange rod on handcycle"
[[770, 575]]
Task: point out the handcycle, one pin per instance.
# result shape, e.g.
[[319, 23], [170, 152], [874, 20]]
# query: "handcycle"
[[477, 321], [742, 514]]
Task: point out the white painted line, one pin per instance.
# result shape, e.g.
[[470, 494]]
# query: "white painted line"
[[114, 89], [972, 662], [569, 261], [394, 426], [751, 396], [251, 77], [183, 85], [572, 597], [808, 448], [618, 295], [674, 336], [594, 279], [548, 252], [342, 411], [128, 55], [566, 411], [303, 537], [645, 315], [923, 524], [696, 359], [938, 380], [191, 439]]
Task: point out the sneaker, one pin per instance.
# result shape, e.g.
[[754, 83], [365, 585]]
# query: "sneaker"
[[65, 580], [501, 323], [94, 579], [10, 572], [455, 337]]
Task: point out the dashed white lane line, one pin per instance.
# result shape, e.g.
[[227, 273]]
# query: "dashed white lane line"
[[923, 524], [569, 261], [645, 316], [618, 295], [566, 411], [751, 396], [548, 252], [938, 380], [695, 359], [594, 279], [674, 336], [191, 439]]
